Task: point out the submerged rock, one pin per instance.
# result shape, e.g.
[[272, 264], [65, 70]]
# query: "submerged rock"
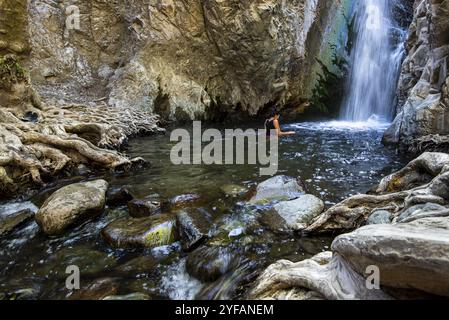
[[380, 217], [97, 290], [71, 205], [298, 213], [233, 190], [279, 188], [137, 266], [193, 227], [185, 200], [89, 261], [140, 208], [118, 196], [148, 232], [209, 263], [131, 297], [13, 221]]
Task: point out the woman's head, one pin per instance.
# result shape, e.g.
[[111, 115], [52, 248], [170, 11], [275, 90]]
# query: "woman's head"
[[274, 113]]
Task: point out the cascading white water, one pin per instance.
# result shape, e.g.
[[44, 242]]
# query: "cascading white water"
[[375, 62]]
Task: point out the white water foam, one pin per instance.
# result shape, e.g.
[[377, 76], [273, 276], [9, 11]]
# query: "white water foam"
[[178, 284], [374, 123]]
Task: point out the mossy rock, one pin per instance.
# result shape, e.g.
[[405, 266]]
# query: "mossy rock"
[[11, 72], [147, 232]]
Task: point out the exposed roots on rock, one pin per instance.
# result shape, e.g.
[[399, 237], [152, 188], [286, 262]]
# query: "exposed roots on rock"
[[433, 143], [38, 140], [312, 279], [424, 180]]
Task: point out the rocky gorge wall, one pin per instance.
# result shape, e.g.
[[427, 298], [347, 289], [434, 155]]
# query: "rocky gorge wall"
[[422, 118], [180, 59], [79, 77]]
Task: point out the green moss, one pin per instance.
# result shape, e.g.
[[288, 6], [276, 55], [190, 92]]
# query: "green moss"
[[11, 71], [161, 235], [328, 91]]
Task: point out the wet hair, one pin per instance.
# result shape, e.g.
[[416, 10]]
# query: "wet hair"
[[274, 112]]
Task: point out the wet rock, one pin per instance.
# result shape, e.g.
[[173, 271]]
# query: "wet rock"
[[230, 285], [380, 217], [116, 213], [422, 211], [274, 222], [148, 232], [139, 208], [185, 200], [233, 190], [409, 255], [210, 263], [131, 297], [236, 232], [118, 196], [72, 205], [193, 226], [13, 221], [23, 294], [139, 265], [298, 213], [97, 290], [279, 188]]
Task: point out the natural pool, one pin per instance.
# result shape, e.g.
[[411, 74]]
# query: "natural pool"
[[334, 159]]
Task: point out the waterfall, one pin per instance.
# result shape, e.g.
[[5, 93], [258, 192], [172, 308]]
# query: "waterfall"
[[375, 62]]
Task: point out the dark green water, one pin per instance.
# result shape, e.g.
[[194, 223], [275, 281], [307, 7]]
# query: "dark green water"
[[334, 159]]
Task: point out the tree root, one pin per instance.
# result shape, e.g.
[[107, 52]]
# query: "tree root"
[[37, 140], [433, 143]]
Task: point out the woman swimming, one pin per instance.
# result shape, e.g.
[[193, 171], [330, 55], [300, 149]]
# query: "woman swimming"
[[273, 124]]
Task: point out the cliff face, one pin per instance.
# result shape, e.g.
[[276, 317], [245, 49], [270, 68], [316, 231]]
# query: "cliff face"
[[423, 90], [181, 59]]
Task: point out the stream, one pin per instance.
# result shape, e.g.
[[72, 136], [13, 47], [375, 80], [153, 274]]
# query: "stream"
[[333, 159]]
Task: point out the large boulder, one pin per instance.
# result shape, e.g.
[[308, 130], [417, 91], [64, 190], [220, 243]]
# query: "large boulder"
[[298, 213], [71, 205], [279, 188], [410, 256], [147, 232]]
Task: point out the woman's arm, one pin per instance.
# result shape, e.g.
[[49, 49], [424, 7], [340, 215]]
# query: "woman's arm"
[[279, 131]]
